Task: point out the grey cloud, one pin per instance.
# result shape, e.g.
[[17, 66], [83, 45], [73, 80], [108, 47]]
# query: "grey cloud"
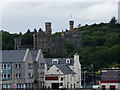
[[21, 16]]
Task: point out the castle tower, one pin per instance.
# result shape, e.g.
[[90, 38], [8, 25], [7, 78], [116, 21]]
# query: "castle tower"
[[17, 43], [71, 23], [48, 27], [119, 12]]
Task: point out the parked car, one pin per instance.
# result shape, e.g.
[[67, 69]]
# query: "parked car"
[[96, 87], [62, 88]]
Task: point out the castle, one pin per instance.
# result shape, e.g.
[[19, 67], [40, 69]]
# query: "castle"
[[48, 44]]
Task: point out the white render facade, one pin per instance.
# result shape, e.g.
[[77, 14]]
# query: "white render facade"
[[67, 74]]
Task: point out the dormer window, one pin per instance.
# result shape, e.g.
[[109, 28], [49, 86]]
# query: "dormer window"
[[55, 61], [68, 60]]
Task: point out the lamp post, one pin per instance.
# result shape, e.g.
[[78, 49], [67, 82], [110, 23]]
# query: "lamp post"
[[86, 69], [84, 78]]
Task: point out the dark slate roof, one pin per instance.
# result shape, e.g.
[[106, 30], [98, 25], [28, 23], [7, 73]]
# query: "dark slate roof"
[[111, 75], [48, 61], [65, 69], [34, 54], [16, 55], [13, 55]]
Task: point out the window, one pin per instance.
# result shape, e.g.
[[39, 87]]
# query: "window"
[[19, 85], [4, 76], [9, 76], [55, 61], [4, 66], [61, 78], [67, 60], [112, 87], [6, 86], [18, 66], [48, 68], [42, 73], [30, 65], [42, 64], [30, 75], [8, 66], [18, 75], [103, 87]]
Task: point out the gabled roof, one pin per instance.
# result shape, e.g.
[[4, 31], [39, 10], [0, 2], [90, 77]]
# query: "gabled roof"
[[65, 69], [13, 55], [16, 55], [48, 61]]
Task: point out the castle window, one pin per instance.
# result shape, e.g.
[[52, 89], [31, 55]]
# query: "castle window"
[[55, 61], [68, 60]]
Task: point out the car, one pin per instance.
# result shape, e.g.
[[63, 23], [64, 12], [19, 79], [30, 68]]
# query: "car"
[[61, 87], [95, 87]]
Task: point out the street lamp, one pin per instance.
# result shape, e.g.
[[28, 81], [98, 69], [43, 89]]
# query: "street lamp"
[[84, 78]]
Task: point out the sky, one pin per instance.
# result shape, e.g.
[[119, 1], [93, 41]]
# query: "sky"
[[20, 15]]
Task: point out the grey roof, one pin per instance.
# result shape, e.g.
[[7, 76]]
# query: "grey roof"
[[48, 61], [113, 75], [34, 54], [16, 55], [65, 69], [13, 55]]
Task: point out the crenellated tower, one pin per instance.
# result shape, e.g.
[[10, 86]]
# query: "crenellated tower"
[[48, 29], [71, 23]]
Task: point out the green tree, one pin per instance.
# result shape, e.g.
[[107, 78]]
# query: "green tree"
[[69, 47], [113, 22]]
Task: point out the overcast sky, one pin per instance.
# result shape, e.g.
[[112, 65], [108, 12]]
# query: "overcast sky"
[[20, 16]]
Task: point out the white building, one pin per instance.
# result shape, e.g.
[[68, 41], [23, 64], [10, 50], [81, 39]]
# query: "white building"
[[65, 72]]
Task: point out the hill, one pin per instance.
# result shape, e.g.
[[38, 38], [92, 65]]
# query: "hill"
[[101, 44]]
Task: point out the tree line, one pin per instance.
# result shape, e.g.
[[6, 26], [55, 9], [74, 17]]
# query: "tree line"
[[101, 44]]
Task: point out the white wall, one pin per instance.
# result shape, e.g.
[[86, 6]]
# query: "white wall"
[[77, 70]]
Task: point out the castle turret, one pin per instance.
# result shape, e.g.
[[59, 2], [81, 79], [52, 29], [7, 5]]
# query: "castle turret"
[[48, 27], [71, 23]]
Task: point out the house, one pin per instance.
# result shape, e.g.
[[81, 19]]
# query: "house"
[[22, 69], [110, 79], [64, 72]]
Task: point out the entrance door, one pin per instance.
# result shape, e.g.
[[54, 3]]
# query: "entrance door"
[[55, 85], [103, 87], [112, 87]]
